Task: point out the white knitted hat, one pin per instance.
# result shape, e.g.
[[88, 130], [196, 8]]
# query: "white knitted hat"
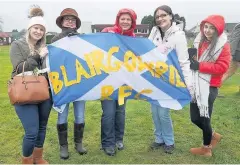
[[36, 17], [38, 20]]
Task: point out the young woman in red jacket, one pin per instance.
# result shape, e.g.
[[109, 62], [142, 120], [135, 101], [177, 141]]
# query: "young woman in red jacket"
[[212, 61]]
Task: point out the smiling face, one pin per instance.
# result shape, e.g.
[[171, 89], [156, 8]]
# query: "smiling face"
[[209, 30], [125, 22], [36, 32], [69, 22], [163, 20]]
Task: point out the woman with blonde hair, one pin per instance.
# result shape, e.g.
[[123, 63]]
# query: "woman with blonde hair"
[[29, 52]]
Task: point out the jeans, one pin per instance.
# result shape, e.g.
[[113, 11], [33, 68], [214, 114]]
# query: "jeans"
[[79, 111], [204, 123], [163, 125], [112, 123], [34, 118]]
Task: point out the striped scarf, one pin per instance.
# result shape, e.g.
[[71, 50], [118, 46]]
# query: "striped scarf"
[[201, 81]]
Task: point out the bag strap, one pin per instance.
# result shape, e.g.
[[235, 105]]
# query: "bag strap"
[[23, 78], [23, 66], [19, 64]]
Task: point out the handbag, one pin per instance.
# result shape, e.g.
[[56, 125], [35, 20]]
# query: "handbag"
[[28, 89]]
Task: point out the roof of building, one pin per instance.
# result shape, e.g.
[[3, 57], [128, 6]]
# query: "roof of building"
[[4, 35]]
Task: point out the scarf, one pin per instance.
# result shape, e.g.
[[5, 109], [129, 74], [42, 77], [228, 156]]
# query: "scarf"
[[201, 81]]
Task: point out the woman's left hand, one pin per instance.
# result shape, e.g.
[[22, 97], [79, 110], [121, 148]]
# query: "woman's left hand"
[[194, 65]]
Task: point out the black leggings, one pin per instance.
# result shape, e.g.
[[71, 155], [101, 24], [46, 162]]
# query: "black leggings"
[[203, 122]]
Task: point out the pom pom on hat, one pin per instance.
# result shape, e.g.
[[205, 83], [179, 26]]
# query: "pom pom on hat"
[[35, 11], [36, 17]]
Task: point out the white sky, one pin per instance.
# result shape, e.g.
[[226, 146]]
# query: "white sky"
[[14, 13]]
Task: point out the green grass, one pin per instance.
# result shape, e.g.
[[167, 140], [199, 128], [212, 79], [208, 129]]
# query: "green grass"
[[138, 132]]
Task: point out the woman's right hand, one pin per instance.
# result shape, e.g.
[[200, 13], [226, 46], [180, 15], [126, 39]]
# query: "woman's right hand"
[[43, 52]]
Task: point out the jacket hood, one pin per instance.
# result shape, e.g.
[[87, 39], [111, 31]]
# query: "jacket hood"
[[217, 21], [117, 27]]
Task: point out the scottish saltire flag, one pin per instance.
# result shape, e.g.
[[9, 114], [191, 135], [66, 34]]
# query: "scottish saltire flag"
[[111, 66]]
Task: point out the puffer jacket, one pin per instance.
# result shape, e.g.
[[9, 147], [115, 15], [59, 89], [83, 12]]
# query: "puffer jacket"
[[221, 65], [20, 53], [117, 29], [175, 38]]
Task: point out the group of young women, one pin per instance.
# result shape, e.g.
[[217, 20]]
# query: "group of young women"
[[202, 68]]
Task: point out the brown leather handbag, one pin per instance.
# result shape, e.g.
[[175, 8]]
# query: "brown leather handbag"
[[28, 89]]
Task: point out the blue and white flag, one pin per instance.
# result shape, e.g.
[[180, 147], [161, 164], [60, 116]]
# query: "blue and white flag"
[[111, 66]]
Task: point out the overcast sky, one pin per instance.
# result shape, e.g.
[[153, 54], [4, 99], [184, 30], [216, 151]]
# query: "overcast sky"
[[14, 13]]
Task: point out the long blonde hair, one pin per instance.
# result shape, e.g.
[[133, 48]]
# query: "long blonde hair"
[[35, 49]]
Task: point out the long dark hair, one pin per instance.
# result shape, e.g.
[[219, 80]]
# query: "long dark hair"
[[168, 10], [165, 8], [213, 42]]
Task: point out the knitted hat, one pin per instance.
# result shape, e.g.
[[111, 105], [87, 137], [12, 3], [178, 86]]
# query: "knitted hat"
[[68, 12], [36, 17]]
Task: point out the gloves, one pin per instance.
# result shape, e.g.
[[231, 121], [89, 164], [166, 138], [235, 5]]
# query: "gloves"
[[194, 65], [192, 54], [72, 34]]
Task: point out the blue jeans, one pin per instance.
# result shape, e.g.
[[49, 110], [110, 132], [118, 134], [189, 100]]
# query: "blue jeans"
[[163, 125], [112, 123], [79, 110], [34, 118]]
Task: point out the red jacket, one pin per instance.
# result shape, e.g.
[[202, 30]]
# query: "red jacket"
[[117, 29], [221, 65]]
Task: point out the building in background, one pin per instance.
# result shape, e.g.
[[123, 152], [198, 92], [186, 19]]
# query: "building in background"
[[5, 38], [86, 27]]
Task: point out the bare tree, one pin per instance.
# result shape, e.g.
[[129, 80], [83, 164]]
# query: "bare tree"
[[1, 24]]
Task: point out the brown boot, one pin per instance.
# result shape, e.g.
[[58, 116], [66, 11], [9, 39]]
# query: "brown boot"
[[216, 137], [38, 156], [204, 151], [27, 160]]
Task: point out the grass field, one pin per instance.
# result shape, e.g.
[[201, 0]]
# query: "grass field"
[[138, 132]]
